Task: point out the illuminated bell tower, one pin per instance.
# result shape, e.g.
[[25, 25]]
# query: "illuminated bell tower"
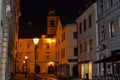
[[51, 22]]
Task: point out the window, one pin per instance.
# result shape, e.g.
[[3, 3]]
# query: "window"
[[63, 36], [81, 48], [112, 29], [101, 6], [48, 57], [84, 24], [28, 45], [102, 33], [90, 44], [85, 46], [90, 20], [63, 53], [48, 45], [110, 3], [52, 23], [80, 28], [75, 35], [75, 51]]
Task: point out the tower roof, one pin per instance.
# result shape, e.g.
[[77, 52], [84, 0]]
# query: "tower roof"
[[51, 12]]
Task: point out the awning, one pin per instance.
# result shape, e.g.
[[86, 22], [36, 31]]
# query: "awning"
[[112, 58]]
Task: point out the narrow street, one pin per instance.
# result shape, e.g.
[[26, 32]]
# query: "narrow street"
[[39, 77]]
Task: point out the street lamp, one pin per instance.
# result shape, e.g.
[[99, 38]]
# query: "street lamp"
[[35, 40], [26, 57]]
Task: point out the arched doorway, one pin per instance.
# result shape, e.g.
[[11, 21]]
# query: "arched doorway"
[[37, 67], [51, 69], [75, 71]]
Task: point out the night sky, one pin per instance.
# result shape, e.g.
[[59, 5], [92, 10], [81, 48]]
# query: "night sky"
[[34, 14]]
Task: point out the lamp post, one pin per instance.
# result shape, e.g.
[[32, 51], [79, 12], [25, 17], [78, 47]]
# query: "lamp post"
[[35, 40], [26, 57]]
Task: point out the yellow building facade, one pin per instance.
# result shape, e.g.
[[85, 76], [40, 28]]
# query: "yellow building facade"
[[45, 55], [66, 49]]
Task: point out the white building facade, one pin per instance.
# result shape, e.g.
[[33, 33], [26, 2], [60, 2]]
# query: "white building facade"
[[66, 49], [109, 36], [87, 42]]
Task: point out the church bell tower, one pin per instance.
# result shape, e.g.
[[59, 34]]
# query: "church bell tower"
[[52, 19]]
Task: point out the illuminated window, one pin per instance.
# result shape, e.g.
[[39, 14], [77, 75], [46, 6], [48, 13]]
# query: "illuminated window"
[[112, 29]]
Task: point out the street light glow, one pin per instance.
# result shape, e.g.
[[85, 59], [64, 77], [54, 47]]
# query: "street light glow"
[[26, 57], [23, 61], [51, 40], [35, 40]]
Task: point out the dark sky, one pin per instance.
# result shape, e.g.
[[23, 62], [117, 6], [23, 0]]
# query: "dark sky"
[[34, 14]]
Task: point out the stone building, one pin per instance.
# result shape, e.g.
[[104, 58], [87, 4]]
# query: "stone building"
[[87, 41], [109, 39], [7, 32]]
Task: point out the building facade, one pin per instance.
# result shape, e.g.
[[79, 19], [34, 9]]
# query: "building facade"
[[109, 39], [66, 49], [52, 20], [7, 21], [18, 14], [45, 55], [87, 42]]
